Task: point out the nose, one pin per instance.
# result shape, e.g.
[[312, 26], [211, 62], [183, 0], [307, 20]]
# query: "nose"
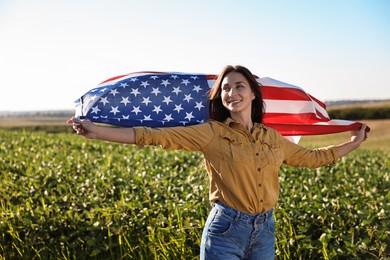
[[232, 91]]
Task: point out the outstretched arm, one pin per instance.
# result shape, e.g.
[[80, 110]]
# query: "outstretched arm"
[[357, 137], [92, 131]]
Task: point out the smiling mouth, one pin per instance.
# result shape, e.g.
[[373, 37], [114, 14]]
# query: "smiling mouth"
[[234, 102]]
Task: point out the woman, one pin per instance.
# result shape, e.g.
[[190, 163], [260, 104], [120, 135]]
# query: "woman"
[[242, 158]]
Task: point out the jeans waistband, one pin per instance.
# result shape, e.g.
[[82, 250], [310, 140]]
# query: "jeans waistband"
[[242, 216]]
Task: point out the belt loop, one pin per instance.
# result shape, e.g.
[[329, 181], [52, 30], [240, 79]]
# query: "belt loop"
[[238, 215]]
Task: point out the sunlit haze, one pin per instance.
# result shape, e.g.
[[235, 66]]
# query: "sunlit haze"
[[52, 52]]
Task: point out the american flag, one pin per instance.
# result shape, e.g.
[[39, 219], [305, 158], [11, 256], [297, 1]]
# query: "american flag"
[[161, 99]]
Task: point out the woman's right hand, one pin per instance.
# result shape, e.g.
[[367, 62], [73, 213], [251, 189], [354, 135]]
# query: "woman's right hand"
[[84, 127]]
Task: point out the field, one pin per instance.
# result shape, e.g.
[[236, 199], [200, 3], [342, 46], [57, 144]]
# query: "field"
[[64, 197]]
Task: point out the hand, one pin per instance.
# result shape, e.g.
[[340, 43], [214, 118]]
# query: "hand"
[[84, 127], [359, 136]]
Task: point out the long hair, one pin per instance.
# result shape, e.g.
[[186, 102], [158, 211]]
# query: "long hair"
[[216, 109]]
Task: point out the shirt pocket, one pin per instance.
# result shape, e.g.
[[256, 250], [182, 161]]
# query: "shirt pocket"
[[234, 148], [273, 153]]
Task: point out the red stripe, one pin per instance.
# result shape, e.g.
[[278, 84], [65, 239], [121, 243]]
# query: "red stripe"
[[270, 92], [293, 118], [297, 129]]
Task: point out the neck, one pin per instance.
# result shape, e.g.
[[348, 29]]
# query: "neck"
[[245, 122]]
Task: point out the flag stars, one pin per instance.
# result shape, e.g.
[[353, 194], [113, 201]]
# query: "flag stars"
[[103, 90], [174, 76], [135, 92], [114, 110], [185, 82], [95, 110], [134, 79], [136, 110], [199, 105], [194, 77], [104, 101], [157, 109], [168, 117], [114, 92], [178, 108], [124, 84], [146, 101], [176, 90], [167, 100], [125, 100], [145, 84], [148, 117], [188, 98], [197, 88], [156, 91], [154, 77], [189, 116], [165, 82]]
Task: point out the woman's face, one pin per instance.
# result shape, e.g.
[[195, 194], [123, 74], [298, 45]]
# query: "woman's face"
[[236, 94]]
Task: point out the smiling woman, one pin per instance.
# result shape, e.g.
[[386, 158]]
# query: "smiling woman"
[[242, 158]]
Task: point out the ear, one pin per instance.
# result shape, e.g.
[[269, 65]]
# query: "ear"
[[253, 96]]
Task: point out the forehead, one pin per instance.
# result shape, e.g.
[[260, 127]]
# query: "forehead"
[[233, 78]]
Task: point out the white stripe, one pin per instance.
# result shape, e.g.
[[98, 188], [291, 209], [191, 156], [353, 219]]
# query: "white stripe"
[[288, 106], [266, 81]]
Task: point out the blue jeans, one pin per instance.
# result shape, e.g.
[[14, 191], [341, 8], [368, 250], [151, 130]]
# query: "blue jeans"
[[231, 234]]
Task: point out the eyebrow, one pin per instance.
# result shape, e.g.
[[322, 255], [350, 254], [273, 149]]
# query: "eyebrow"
[[237, 82]]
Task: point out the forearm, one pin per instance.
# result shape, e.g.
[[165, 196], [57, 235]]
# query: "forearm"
[[120, 135], [347, 147]]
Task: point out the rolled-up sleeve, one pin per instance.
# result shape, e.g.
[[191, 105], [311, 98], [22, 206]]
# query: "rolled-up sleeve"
[[190, 138]]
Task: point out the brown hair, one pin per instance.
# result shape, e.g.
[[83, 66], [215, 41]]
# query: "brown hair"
[[216, 109]]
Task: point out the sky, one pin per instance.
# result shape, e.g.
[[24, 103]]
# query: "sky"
[[53, 51]]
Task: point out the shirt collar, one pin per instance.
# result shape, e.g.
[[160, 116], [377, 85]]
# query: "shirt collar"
[[230, 122]]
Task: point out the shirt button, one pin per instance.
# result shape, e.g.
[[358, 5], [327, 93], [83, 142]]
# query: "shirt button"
[[254, 141], [261, 201], [257, 154], [259, 184], [259, 169]]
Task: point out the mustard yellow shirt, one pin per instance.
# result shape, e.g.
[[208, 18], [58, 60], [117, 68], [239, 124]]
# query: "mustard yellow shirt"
[[242, 166]]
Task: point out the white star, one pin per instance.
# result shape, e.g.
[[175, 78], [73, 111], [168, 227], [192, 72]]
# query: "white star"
[[103, 90], [189, 116], [125, 100], [146, 101], [124, 85], [165, 82], [156, 91], [145, 84], [135, 91], [157, 109], [104, 101], [154, 77], [185, 82], [93, 90], [92, 98], [194, 77], [125, 117], [114, 110], [197, 88], [95, 109], [136, 110], [148, 118], [133, 79], [168, 117], [178, 108], [167, 100], [176, 90], [199, 105], [114, 92], [188, 98], [174, 76]]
